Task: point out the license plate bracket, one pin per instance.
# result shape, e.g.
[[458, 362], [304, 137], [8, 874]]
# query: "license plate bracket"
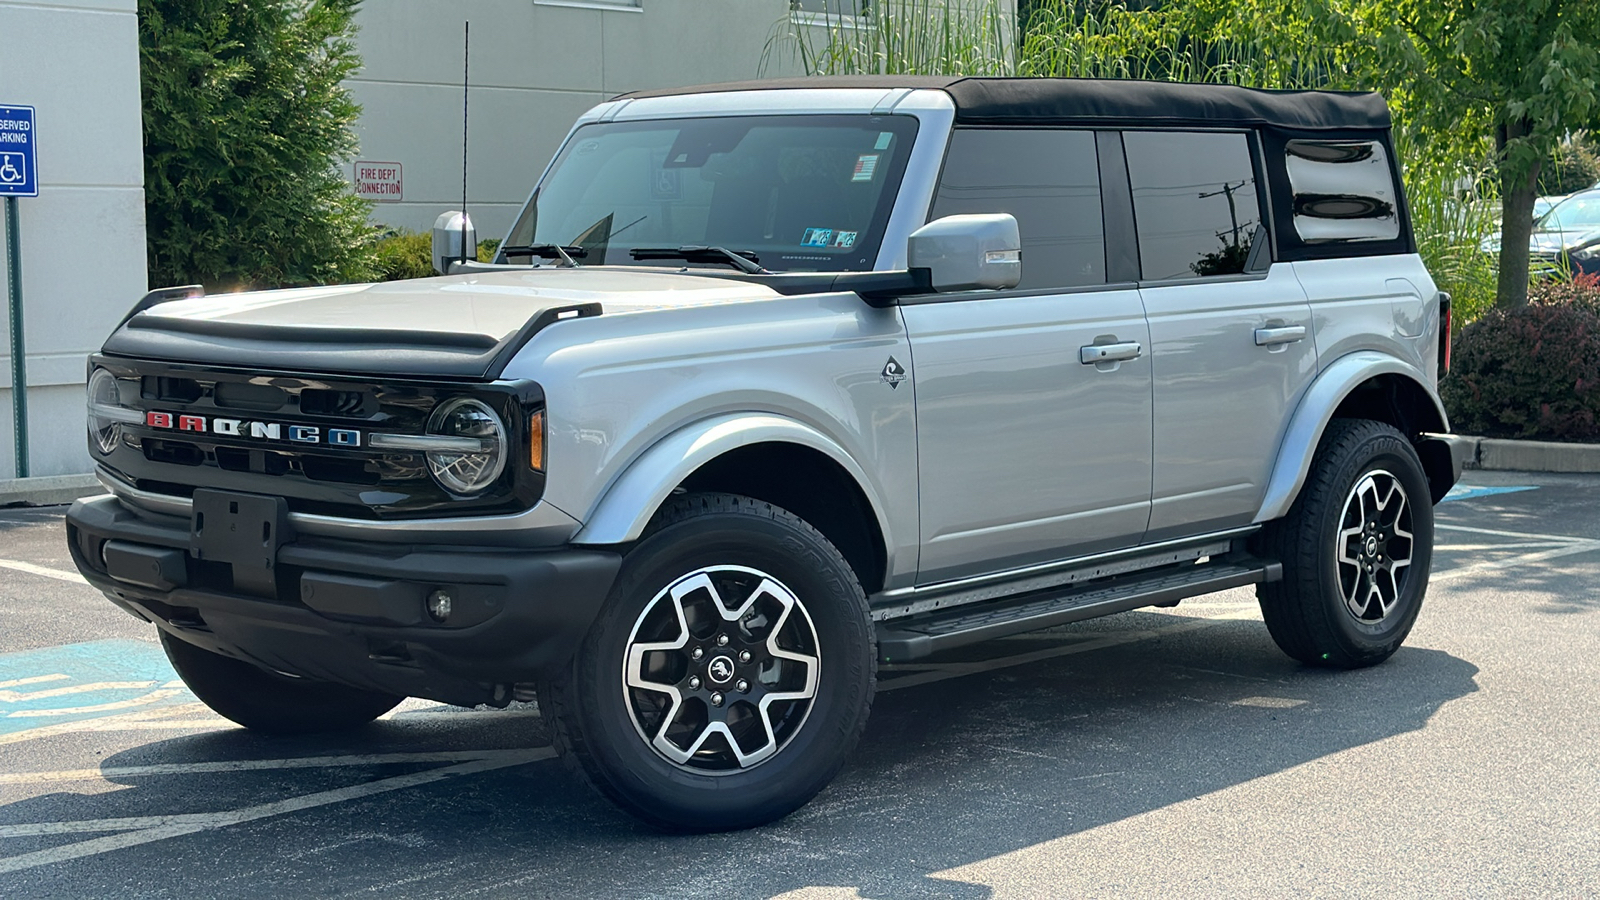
[[242, 530]]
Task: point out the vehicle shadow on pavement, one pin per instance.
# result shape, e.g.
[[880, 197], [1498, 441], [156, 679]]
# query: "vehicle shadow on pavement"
[[949, 773]]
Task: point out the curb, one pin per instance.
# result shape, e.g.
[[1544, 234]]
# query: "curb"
[[1500, 454], [48, 490]]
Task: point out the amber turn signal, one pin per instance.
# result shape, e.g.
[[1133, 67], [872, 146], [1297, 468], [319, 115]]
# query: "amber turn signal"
[[536, 441]]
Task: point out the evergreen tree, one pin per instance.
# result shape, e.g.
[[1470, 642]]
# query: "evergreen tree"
[[246, 120]]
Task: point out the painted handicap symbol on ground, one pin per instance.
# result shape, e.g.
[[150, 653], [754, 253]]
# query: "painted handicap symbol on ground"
[[78, 682]]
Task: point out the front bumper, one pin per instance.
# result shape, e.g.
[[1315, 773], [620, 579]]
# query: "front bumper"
[[353, 612]]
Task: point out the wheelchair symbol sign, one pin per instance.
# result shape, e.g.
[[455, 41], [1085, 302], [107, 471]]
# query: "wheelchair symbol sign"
[[19, 174], [11, 168]]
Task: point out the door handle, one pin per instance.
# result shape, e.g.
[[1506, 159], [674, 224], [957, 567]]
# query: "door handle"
[[1101, 353], [1284, 334]]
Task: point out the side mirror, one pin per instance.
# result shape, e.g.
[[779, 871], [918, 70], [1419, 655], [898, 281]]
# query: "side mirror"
[[448, 245], [968, 253]]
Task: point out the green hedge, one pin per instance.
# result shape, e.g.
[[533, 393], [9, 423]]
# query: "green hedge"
[[1531, 372], [405, 254]]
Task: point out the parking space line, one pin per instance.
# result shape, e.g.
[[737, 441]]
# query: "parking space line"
[[254, 765], [37, 679], [1490, 565], [175, 826], [20, 696], [1553, 538], [146, 700], [47, 572]]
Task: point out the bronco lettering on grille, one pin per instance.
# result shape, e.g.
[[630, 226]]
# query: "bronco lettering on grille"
[[265, 431]]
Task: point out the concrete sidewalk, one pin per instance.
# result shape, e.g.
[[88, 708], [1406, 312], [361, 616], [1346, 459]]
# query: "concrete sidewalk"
[[48, 490]]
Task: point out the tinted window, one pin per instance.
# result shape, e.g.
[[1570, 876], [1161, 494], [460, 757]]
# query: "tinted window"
[[1343, 191], [1194, 202], [1049, 180]]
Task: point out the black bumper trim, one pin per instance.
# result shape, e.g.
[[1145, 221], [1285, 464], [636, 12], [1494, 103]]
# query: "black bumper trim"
[[352, 612]]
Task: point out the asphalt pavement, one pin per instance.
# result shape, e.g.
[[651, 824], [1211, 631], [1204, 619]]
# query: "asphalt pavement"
[[1169, 753]]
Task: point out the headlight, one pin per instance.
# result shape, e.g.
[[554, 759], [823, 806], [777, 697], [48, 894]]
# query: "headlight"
[[478, 455], [106, 412]]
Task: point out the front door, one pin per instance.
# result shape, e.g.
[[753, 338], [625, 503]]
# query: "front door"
[[1030, 448]]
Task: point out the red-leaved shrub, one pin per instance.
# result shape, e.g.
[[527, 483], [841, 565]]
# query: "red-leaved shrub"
[[1532, 372]]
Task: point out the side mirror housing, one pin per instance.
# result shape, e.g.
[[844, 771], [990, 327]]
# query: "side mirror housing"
[[448, 246], [968, 253]]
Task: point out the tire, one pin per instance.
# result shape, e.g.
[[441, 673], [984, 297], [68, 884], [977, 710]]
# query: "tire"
[[805, 643], [1352, 583], [270, 703]]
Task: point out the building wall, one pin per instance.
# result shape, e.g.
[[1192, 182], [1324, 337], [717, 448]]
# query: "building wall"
[[83, 238], [536, 66]]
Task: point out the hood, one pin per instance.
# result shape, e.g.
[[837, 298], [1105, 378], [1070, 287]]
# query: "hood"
[[458, 326]]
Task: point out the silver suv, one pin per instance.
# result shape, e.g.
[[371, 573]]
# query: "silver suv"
[[775, 381]]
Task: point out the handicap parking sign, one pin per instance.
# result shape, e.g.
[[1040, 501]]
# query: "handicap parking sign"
[[18, 158]]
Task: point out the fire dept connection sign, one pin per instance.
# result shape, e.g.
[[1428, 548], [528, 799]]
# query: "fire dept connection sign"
[[381, 181]]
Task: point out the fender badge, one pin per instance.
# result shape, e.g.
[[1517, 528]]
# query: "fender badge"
[[893, 373]]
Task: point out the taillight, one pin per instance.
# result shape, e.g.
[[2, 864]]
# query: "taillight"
[[1445, 325]]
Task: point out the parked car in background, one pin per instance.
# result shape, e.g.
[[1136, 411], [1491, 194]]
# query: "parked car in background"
[[1566, 237]]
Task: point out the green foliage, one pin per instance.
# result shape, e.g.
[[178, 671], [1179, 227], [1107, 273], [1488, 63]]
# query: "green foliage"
[[1530, 372], [1524, 72], [245, 122], [402, 254], [905, 37], [1573, 166]]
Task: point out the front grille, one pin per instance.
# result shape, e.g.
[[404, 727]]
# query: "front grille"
[[305, 438]]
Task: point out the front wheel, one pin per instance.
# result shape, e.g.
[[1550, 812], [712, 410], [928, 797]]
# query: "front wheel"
[[728, 675], [1356, 548], [271, 703]]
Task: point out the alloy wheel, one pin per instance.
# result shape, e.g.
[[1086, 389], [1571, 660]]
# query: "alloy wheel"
[[1375, 546], [721, 669]]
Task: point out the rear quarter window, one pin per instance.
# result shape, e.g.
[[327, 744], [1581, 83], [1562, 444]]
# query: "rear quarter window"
[[1342, 191]]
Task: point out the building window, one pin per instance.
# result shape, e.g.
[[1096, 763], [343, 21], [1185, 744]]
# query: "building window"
[[1194, 202], [810, 10], [1049, 180]]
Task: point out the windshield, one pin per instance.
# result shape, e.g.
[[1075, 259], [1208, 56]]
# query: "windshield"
[[1581, 213], [800, 193]]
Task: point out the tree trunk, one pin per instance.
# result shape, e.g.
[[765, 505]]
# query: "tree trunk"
[[1518, 190]]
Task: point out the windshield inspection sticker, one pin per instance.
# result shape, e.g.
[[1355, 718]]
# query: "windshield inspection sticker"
[[884, 137], [844, 239], [866, 167], [817, 237]]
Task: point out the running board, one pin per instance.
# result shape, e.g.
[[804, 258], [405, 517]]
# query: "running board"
[[914, 637]]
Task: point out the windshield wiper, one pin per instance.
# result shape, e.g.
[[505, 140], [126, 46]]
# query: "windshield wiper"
[[567, 255], [743, 260]]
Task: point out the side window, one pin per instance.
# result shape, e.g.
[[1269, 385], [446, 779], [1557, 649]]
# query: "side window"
[[1049, 180], [1343, 191], [1194, 202]]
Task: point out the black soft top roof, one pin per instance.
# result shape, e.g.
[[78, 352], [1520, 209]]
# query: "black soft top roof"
[[1014, 101]]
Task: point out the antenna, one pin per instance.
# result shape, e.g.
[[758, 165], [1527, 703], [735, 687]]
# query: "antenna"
[[466, 69]]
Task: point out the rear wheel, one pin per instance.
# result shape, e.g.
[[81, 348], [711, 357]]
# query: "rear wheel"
[[729, 674], [1356, 548], [268, 702]]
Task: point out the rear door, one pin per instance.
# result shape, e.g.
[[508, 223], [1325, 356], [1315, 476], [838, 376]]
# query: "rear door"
[[1026, 452], [1230, 331]]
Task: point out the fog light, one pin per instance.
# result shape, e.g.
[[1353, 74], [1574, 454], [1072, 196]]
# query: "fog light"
[[439, 605]]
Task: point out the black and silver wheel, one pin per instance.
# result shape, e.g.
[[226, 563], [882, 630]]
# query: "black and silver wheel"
[[1355, 547], [268, 702], [729, 674]]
